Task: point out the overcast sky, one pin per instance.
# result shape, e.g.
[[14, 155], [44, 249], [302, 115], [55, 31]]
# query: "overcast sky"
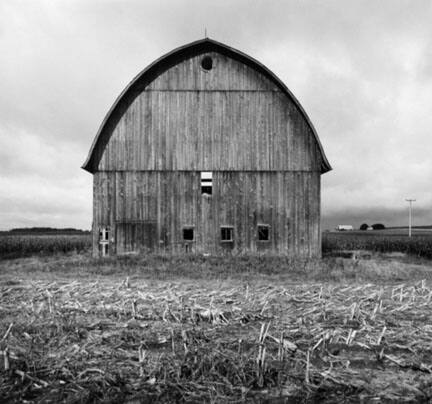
[[361, 69]]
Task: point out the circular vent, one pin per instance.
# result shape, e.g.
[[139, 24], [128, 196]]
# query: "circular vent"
[[207, 63]]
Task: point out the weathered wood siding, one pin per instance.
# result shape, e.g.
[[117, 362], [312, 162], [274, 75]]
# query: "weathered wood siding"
[[233, 120], [135, 204], [228, 118]]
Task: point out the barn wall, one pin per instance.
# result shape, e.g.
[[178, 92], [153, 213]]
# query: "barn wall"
[[228, 118], [148, 210]]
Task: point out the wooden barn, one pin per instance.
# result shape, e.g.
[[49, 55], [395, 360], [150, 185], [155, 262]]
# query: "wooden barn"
[[206, 151]]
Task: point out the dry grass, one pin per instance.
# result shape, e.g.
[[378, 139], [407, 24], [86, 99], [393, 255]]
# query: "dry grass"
[[67, 335]]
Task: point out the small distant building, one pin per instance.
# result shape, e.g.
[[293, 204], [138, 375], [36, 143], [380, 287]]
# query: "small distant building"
[[344, 227]]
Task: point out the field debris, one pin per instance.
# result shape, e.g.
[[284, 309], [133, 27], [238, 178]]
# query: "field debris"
[[112, 340]]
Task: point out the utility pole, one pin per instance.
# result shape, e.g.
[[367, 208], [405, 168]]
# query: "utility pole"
[[410, 215]]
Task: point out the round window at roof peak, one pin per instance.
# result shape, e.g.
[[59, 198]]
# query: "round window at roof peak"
[[207, 63]]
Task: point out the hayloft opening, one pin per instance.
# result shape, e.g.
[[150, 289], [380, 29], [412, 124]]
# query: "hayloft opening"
[[263, 232], [207, 63], [206, 182], [226, 233], [188, 233]]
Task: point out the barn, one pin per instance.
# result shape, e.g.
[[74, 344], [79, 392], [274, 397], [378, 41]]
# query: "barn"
[[206, 151]]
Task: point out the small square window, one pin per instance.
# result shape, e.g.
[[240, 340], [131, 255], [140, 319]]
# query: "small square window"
[[226, 233], [188, 233], [206, 190], [263, 232]]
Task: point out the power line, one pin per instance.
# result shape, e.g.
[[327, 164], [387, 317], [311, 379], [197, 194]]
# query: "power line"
[[410, 215]]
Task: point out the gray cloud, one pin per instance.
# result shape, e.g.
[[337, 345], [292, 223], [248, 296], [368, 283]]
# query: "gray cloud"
[[361, 69]]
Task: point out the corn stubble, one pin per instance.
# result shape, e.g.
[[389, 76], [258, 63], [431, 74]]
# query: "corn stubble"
[[135, 340]]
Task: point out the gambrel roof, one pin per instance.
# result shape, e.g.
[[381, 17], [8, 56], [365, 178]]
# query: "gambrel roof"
[[150, 73]]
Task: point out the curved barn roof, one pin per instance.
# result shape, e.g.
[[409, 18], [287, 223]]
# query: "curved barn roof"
[[151, 72]]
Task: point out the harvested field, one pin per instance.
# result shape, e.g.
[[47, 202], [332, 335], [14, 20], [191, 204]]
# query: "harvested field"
[[91, 338]]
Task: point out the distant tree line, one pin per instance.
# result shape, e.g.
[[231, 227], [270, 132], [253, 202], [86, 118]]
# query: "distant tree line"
[[376, 226], [45, 230]]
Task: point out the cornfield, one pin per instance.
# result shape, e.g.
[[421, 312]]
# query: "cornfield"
[[16, 246], [418, 245]]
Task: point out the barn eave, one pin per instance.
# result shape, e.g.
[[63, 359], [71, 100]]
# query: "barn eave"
[[170, 59]]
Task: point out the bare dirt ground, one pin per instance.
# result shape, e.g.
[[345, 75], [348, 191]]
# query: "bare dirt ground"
[[115, 335]]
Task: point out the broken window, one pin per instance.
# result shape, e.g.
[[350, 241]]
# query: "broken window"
[[104, 249], [188, 233], [263, 232], [226, 233], [206, 182], [104, 234], [104, 241]]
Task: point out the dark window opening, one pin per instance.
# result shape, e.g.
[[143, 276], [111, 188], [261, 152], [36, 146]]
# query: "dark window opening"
[[226, 234], [263, 233], [188, 234], [207, 63], [206, 183], [206, 190]]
